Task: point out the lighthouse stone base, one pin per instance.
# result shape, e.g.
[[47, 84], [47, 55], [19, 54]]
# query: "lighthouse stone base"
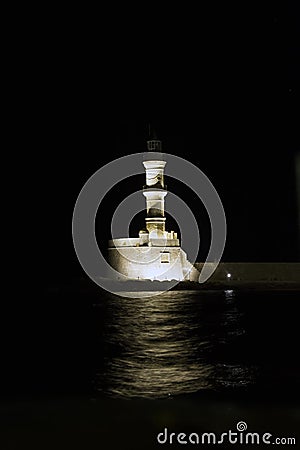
[[161, 260]]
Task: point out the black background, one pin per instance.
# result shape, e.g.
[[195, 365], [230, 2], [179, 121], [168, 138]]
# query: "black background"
[[220, 86]]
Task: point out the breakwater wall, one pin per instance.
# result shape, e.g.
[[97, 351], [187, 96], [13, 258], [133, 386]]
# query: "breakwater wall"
[[252, 272]]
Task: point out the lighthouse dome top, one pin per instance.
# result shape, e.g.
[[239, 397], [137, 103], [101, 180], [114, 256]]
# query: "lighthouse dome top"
[[153, 143]]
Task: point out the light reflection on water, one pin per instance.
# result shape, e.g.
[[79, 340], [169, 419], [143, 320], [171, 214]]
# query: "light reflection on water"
[[177, 343]]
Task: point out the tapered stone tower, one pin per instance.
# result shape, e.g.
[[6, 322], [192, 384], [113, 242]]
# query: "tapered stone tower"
[[154, 190], [156, 253]]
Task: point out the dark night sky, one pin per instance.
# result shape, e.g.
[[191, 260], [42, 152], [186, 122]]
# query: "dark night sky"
[[221, 89]]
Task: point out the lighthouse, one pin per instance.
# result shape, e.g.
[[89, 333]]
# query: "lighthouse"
[[154, 190], [156, 253]]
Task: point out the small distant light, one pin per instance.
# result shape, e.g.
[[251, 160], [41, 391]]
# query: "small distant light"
[[229, 275]]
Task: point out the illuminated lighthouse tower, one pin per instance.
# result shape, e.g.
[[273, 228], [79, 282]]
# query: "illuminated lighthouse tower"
[[154, 191], [156, 253]]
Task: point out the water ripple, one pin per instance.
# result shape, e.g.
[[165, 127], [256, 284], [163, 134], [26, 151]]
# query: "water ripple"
[[176, 343]]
